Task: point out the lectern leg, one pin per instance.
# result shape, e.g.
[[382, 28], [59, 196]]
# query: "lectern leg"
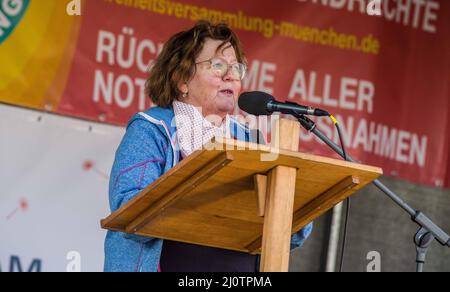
[[278, 219]]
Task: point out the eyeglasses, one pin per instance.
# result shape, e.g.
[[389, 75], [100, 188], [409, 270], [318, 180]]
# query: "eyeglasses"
[[220, 68]]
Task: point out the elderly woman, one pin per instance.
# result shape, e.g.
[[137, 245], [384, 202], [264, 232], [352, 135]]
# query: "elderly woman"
[[197, 75]]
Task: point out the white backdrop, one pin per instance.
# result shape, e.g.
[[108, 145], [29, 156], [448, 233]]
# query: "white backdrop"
[[53, 190]]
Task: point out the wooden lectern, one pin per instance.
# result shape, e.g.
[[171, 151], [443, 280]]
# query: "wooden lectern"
[[235, 195]]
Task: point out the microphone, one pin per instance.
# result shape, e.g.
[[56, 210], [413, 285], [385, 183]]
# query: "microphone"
[[259, 103]]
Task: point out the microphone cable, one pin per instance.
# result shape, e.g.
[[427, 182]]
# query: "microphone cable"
[[347, 213]]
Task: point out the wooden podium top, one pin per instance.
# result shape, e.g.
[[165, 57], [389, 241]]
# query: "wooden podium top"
[[209, 198]]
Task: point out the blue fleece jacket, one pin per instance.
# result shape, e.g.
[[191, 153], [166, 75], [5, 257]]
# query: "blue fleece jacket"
[[146, 152]]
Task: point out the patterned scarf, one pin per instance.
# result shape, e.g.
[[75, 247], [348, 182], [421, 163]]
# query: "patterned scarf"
[[193, 130]]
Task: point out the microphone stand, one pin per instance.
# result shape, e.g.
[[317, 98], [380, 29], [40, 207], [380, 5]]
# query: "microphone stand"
[[428, 230]]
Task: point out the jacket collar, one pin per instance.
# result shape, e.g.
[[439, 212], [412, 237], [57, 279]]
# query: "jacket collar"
[[165, 117]]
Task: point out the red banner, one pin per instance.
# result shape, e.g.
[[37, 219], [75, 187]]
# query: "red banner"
[[381, 67]]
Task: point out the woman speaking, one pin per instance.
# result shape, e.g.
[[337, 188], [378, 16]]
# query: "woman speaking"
[[194, 83]]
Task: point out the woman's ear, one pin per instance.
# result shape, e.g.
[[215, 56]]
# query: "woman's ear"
[[183, 87]]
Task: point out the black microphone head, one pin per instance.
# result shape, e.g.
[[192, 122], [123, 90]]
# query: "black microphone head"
[[255, 102]]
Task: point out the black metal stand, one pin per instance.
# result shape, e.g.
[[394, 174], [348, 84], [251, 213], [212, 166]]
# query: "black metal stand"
[[423, 240], [428, 230]]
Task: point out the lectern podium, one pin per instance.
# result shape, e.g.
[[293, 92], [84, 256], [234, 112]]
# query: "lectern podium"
[[242, 196]]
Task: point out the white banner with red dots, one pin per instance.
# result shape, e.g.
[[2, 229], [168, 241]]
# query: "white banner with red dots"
[[54, 174]]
